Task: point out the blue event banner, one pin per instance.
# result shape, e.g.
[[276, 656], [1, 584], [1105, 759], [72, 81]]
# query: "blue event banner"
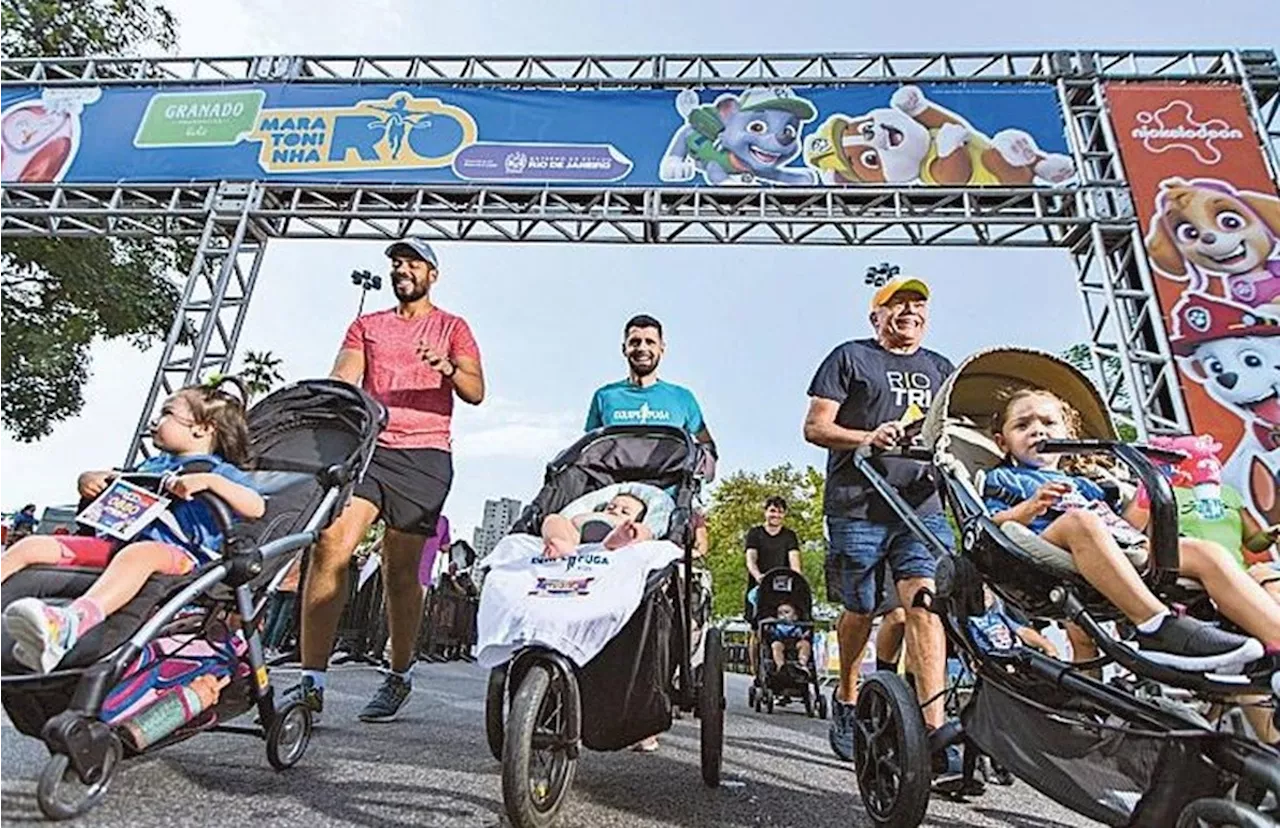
[[940, 135]]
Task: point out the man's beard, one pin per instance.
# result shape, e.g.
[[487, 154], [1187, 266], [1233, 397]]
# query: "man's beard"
[[411, 292], [642, 370]]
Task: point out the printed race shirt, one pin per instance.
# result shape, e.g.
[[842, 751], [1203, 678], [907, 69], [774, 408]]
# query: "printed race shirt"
[[663, 403], [572, 605]]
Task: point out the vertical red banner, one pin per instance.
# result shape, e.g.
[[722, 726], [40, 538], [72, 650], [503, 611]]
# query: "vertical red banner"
[[1211, 224]]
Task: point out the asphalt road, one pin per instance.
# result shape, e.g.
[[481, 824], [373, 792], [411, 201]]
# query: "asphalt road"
[[432, 767]]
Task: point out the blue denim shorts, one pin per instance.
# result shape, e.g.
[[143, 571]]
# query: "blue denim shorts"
[[856, 547]]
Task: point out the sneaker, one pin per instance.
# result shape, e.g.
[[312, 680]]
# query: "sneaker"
[[940, 761], [307, 692], [41, 634], [387, 702], [840, 734], [1190, 644]]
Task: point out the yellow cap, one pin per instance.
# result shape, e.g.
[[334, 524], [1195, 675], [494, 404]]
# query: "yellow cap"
[[884, 294]]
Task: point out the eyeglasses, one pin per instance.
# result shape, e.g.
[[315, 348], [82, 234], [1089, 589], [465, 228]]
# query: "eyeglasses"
[[169, 412]]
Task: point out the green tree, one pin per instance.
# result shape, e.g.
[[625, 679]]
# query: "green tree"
[[260, 371], [737, 504], [1079, 356], [60, 295], [56, 28]]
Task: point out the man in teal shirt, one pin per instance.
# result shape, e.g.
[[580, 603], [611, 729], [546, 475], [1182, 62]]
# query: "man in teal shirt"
[[642, 398]]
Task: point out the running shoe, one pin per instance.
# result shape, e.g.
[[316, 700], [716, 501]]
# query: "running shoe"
[[386, 703], [307, 692], [840, 734], [42, 634], [1191, 644]]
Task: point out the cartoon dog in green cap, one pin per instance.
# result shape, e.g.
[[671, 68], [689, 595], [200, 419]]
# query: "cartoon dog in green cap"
[[739, 139]]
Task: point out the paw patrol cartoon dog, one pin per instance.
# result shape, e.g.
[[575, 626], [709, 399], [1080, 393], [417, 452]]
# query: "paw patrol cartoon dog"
[[1206, 226], [739, 139], [1233, 351], [917, 140]]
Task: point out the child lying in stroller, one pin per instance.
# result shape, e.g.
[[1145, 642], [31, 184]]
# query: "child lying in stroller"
[[619, 523], [200, 423], [1074, 513]]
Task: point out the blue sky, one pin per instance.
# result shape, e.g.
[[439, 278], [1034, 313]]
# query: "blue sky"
[[746, 326]]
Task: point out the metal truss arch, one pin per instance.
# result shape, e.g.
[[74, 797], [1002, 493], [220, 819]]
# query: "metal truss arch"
[[1093, 220]]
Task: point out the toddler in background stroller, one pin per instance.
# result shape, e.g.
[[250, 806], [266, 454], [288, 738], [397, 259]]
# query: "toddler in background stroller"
[[785, 667]]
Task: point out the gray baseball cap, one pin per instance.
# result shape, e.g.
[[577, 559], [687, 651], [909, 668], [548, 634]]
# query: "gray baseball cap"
[[414, 246]]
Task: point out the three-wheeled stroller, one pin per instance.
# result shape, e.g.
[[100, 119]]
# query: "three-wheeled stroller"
[[312, 440], [1137, 751], [798, 679], [541, 707]]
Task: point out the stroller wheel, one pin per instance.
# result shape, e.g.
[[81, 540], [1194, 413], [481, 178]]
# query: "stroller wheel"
[[822, 706], [808, 703], [60, 792], [1216, 813], [537, 770], [751, 695], [768, 700], [495, 702], [289, 735], [711, 709], [891, 752]]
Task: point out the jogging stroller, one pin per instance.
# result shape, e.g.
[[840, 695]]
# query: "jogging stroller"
[[1129, 752], [541, 707], [312, 441], [799, 678]]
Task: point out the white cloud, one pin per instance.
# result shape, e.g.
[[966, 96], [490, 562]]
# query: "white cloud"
[[504, 428]]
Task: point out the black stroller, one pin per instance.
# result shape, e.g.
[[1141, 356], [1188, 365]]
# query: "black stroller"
[[312, 441], [1135, 751], [541, 709], [798, 679]]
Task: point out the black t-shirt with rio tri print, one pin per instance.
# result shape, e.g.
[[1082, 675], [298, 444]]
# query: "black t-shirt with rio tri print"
[[874, 386]]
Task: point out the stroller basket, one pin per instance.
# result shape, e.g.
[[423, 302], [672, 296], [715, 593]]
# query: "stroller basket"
[[1112, 773], [626, 684]]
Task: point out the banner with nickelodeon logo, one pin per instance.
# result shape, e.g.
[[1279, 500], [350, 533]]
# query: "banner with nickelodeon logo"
[[1210, 218]]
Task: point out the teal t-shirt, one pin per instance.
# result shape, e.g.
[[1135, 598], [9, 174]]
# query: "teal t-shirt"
[[663, 403]]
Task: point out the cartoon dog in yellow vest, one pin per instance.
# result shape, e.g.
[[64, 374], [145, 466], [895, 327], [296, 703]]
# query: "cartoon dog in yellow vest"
[[916, 140]]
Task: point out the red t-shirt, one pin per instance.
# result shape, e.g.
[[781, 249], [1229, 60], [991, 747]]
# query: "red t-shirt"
[[418, 398]]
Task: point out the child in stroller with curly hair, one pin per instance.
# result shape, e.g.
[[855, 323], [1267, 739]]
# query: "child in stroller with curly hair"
[[1072, 512]]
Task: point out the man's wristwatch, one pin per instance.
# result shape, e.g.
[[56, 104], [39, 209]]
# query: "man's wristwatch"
[[453, 369]]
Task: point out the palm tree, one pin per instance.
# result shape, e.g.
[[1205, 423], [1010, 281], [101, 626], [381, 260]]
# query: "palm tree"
[[260, 372]]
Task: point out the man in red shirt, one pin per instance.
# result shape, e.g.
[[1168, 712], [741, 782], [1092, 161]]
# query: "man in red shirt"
[[413, 359]]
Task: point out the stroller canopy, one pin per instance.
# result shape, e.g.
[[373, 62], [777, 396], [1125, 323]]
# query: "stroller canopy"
[[971, 397], [783, 585], [661, 456]]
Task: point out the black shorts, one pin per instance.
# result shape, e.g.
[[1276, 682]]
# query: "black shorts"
[[408, 486]]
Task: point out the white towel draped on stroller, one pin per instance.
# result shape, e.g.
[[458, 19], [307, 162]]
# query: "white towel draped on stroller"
[[572, 605]]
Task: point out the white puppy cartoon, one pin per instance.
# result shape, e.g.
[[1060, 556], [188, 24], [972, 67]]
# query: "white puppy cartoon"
[[1233, 352]]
